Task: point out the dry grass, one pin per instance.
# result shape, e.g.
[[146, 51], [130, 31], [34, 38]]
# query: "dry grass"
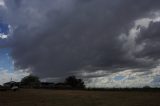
[[78, 98]]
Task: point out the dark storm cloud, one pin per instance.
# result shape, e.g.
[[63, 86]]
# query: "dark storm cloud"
[[57, 37], [2, 12], [151, 37]]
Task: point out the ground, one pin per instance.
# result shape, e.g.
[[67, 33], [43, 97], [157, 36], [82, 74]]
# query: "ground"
[[32, 97]]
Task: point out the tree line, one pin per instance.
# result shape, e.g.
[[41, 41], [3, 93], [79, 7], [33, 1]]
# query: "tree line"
[[70, 82]]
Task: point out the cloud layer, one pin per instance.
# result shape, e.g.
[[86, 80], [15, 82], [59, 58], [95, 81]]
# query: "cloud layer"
[[57, 38], [126, 78]]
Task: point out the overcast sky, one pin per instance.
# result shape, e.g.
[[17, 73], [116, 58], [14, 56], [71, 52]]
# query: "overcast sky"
[[108, 43]]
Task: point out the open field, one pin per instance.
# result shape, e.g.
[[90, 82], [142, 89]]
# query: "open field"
[[78, 98]]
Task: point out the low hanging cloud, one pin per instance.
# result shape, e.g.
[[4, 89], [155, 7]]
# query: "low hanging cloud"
[[126, 78], [57, 38]]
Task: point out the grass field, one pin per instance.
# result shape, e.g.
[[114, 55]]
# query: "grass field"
[[78, 98]]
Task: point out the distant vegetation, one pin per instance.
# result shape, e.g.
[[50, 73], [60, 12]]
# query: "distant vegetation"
[[74, 82], [32, 81], [70, 82]]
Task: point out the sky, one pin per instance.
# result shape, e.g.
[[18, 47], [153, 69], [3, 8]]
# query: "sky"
[[108, 43]]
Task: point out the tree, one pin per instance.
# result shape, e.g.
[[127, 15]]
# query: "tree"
[[30, 81], [74, 82], [146, 87]]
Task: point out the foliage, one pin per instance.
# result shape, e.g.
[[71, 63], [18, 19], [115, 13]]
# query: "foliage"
[[74, 82], [30, 81]]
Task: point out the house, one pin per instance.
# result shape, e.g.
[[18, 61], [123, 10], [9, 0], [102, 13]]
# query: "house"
[[11, 85]]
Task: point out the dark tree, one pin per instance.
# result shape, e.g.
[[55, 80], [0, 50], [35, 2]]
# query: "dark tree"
[[146, 87], [30, 81], [74, 82]]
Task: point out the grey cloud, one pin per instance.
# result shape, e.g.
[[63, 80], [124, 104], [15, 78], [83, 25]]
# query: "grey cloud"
[[150, 37], [55, 38]]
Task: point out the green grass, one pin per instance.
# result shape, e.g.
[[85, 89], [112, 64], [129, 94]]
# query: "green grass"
[[39, 97]]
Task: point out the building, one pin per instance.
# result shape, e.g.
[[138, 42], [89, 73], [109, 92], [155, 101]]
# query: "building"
[[11, 85]]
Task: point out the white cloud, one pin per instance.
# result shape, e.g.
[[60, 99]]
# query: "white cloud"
[[130, 39], [2, 3], [128, 78], [6, 76], [131, 45], [3, 36]]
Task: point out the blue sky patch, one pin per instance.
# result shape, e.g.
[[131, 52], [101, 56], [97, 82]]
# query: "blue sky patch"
[[118, 78], [5, 59], [4, 28]]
